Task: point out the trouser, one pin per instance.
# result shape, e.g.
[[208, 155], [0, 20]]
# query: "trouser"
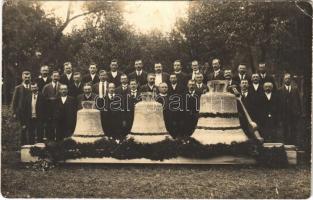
[[35, 129], [290, 131], [24, 131], [51, 130]]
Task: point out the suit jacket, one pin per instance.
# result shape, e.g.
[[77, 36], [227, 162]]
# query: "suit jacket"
[[237, 79], [65, 80], [82, 97], [116, 80], [268, 78], [251, 104], [182, 78], [88, 79], [141, 80], [19, 101], [146, 88], [49, 92], [65, 114], [40, 107], [220, 76], [165, 77], [74, 91], [95, 87], [203, 89], [179, 89], [192, 103], [269, 110], [41, 83], [290, 102], [232, 85]]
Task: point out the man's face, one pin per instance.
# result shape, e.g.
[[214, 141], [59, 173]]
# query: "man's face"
[[103, 76], [124, 80], [68, 69], [93, 69], [26, 78], [199, 78], [255, 78], [242, 69], [113, 66], [215, 64], [44, 71], [268, 87], [177, 66], [87, 89], [191, 85], [287, 79], [262, 68], [244, 85], [227, 74], [138, 65], [77, 78], [194, 66], [173, 79], [158, 68], [111, 88], [34, 88], [133, 85], [63, 90], [55, 77], [151, 80], [163, 88]]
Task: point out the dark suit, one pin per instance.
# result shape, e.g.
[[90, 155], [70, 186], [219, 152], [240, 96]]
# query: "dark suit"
[[141, 80], [41, 83], [267, 78], [250, 104], [182, 79], [19, 101], [65, 80], [129, 114], [202, 89], [211, 76], [113, 116], [95, 87], [237, 78], [116, 80], [82, 97], [88, 79], [165, 77], [164, 100], [232, 85], [269, 111], [65, 115], [191, 113], [146, 88], [290, 112], [179, 89], [74, 90], [35, 126]]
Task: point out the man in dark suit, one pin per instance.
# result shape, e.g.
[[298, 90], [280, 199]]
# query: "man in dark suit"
[[217, 73], [65, 114], [76, 88], [242, 74], [51, 93], [248, 100], [67, 76], [175, 87], [201, 88], [192, 106], [160, 76], [88, 95], [114, 76], [92, 76], [124, 87], [44, 78], [150, 86], [232, 86], [269, 111], [195, 70], [19, 99], [265, 76], [113, 113], [256, 88], [101, 88], [182, 78], [291, 110], [139, 74], [35, 111]]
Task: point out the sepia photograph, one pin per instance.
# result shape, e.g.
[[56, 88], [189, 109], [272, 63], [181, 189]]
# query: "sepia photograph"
[[156, 99]]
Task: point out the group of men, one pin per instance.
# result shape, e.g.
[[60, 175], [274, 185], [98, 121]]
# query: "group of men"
[[48, 106]]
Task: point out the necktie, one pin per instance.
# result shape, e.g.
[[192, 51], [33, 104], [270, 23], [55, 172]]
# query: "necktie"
[[103, 89], [55, 89]]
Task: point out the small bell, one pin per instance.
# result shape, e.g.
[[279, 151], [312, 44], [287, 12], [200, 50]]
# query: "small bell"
[[88, 125], [148, 125]]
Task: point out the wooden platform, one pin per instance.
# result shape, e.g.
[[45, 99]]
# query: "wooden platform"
[[220, 160]]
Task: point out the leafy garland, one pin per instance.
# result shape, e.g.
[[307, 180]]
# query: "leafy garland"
[[129, 149]]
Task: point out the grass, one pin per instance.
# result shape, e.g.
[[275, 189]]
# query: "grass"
[[144, 181]]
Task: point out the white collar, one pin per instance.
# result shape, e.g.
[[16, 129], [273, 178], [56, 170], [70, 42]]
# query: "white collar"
[[63, 99], [199, 84], [217, 71], [178, 72], [158, 74], [45, 78], [54, 83], [191, 92], [111, 95], [174, 84], [133, 91], [126, 85], [163, 95], [69, 75], [139, 72], [195, 72], [87, 97], [255, 85], [25, 85], [268, 95], [92, 76], [150, 86]]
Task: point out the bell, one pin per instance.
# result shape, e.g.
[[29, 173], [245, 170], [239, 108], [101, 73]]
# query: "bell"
[[218, 117], [148, 125], [88, 125]]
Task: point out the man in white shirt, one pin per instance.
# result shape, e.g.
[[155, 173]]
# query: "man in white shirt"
[[139, 74], [67, 76], [101, 88], [242, 74], [200, 87], [44, 78], [182, 77], [217, 73], [160, 76], [195, 69], [92, 76], [114, 76]]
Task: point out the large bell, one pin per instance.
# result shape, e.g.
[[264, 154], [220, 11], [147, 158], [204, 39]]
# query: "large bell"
[[218, 117], [148, 125], [88, 125]]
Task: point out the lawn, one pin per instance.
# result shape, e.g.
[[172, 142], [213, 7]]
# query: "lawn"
[[144, 181]]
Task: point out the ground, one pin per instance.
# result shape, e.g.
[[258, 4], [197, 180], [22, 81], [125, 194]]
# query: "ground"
[[144, 181]]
